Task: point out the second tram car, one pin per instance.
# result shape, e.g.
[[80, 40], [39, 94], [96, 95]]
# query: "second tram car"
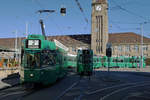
[[85, 62]]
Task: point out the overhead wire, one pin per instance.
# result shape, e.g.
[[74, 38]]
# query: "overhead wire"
[[146, 21], [38, 3], [82, 11], [42, 7], [128, 11], [83, 14]]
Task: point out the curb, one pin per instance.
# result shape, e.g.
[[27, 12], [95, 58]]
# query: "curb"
[[6, 87]]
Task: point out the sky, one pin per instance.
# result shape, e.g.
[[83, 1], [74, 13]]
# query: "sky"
[[123, 16]]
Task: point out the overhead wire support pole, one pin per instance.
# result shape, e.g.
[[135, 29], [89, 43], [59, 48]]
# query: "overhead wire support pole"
[[141, 29], [16, 51]]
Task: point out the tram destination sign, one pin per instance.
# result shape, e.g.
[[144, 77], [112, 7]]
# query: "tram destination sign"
[[33, 44]]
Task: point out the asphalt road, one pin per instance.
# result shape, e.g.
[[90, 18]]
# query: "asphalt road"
[[101, 86]]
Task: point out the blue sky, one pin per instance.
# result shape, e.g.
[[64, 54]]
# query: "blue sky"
[[124, 16]]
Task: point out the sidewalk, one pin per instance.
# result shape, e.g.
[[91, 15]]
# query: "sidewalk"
[[5, 74], [2, 84], [147, 69], [137, 71]]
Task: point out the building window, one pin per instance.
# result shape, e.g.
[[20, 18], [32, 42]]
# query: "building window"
[[145, 47], [74, 49], [127, 47], [136, 48], [145, 55], [112, 48], [119, 48]]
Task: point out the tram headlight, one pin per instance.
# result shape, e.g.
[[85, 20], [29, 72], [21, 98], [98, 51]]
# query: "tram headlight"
[[31, 75]]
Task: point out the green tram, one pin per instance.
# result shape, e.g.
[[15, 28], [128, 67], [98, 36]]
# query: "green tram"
[[120, 62], [41, 61], [97, 62], [85, 62], [123, 62], [71, 61], [115, 62], [127, 62], [137, 62]]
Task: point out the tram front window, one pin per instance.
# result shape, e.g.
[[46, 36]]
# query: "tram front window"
[[33, 60], [48, 58]]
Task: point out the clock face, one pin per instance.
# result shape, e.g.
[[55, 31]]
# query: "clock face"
[[98, 8]]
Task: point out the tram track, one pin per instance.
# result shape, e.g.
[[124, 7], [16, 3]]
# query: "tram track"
[[104, 93], [75, 87], [80, 92], [67, 90], [15, 93], [123, 89]]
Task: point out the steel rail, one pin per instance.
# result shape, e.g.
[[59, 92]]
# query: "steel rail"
[[116, 86], [122, 89], [67, 90]]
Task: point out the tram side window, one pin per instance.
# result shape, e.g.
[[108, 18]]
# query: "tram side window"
[[121, 60], [33, 60], [59, 58], [65, 59], [114, 60], [80, 58], [22, 56]]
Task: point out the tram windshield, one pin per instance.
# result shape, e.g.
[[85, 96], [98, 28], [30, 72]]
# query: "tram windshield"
[[33, 60]]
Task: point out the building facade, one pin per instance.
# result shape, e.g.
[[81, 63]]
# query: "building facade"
[[129, 44]]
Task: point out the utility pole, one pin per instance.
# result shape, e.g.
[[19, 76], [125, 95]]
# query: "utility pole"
[[16, 44], [26, 29], [141, 29]]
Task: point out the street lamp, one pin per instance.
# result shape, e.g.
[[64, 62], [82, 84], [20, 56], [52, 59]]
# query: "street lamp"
[[141, 25], [15, 32]]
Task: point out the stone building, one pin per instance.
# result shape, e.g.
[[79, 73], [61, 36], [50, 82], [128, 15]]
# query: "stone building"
[[129, 44], [123, 44]]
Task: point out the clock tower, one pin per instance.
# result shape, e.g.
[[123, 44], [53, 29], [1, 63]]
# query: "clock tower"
[[99, 34]]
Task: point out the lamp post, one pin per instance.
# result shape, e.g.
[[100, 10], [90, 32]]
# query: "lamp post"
[[141, 29], [141, 25], [15, 44]]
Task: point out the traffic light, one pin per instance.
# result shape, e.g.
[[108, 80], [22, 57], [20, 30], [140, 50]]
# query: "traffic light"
[[63, 11], [108, 52]]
